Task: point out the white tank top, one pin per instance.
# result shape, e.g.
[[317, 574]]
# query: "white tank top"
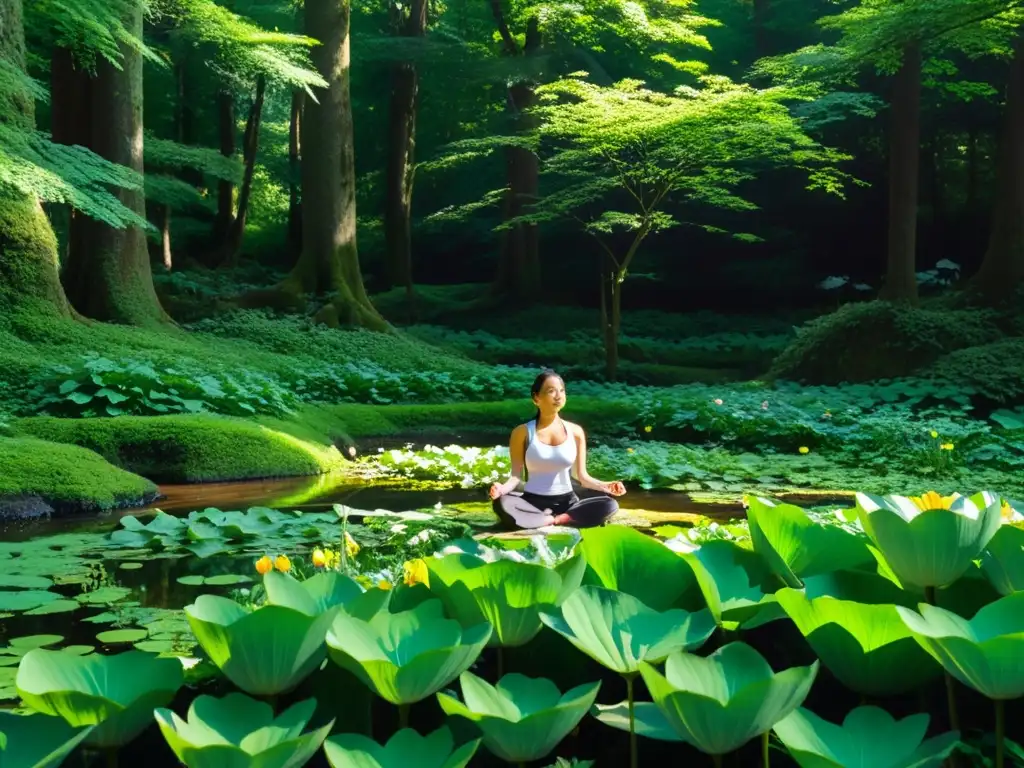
[[548, 465]]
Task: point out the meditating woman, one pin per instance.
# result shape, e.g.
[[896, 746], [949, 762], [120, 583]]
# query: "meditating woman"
[[549, 447]]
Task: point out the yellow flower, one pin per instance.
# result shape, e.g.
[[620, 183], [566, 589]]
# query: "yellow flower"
[[351, 546], [932, 500], [384, 584], [283, 564], [804, 449], [264, 565], [934, 434], [946, 446], [629, 450], [319, 558], [648, 428], [332, 558], [416, 572]]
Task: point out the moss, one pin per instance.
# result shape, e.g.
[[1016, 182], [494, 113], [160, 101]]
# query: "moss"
[[68, 478], [185, 449], [879, 340], [994, 371], [28, 259]]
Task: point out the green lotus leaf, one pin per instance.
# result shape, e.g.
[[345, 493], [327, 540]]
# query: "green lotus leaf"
[[983, 653], [404, 749], [867, 647], [271, 649], [117, 694], [868, 738], [618, 631], [794, 546], [508, 595], [522, 718], [406, 657], [721, 702], [930, 548], [1003, 560], [37, 741], [626, 560], [648, 720], [730, 578], [239, 732]]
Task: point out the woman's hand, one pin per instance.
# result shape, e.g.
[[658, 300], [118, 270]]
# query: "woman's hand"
[[614, 488], [496, 491]]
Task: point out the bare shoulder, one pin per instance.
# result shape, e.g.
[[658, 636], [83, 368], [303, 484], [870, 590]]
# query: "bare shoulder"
[[575, 429]]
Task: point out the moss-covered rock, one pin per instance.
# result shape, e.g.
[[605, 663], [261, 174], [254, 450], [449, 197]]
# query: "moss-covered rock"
[[880, 340], [193, 448], [37, 477]]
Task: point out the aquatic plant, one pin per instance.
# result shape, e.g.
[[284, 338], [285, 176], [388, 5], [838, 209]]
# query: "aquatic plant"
[[869, 736], [236, 730], [117, 694], [522, 718], [37, 741], [407, 656], [405, 748], [270, 649]]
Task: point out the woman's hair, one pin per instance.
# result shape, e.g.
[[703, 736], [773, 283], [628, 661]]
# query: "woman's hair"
[[538, 385]]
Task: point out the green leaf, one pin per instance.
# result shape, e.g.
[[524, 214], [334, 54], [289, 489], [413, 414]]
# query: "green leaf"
[[26, 599], [405, 748], [117, 636], [37, 741]]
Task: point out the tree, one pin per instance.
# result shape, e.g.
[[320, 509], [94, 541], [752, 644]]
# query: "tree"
[[329, 263], [621, 159]]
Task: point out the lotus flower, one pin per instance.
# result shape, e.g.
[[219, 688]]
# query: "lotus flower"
[[271, 649], [115, 693], [477, 584], [867, 647], [721, 702], [618, 631], [983, 653], [868, 738], [932, 547], [405, 657], [237, 730], [795, 546], [37, 741], [523, 718], [406, 748], [1003, 560]]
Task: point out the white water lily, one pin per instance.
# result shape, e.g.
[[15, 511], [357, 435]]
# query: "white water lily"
[[930, 541]]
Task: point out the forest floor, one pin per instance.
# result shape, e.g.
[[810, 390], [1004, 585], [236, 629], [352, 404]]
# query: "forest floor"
[[243, 394]]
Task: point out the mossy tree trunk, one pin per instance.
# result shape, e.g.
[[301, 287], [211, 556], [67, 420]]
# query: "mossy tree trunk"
[[29, 279], [904, 165], [295, 175], [329, 262], [250, 148], [109, 276], [225, 189], [1002, 270], [401, 161]]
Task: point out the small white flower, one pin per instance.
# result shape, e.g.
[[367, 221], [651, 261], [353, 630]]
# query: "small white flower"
[[398, 527]]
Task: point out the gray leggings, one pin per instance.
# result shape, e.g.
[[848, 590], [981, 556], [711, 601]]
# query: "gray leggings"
[[526, 510]]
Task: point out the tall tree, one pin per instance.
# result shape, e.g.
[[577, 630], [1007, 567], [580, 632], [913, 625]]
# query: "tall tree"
[[109, 277], [329, 263]]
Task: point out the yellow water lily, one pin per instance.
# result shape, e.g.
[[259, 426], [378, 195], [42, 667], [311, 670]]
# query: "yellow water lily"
[[416, 572], [351, 545], [934, 434], [319, 558], [648, 428], [932, 500], [264, 565], [946, 446], [804, 449], [283, 564]]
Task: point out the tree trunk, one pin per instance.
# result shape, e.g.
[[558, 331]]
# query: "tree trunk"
[[165, 237], [225, 189], [29, 279], [904, 164], [112, 279], [401, 166], [762, 10], [329, 263], [611, 317], [70, 117], [1002, 270], [295, 175], [519, 259], [250, 146]]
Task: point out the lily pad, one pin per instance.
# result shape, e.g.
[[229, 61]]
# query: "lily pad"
[[57, 606], [25, 600], [12, 581], [29, 642], [115, 636], [191, 580], [104, 595], [78, 650], [226, 579], [130, 566]]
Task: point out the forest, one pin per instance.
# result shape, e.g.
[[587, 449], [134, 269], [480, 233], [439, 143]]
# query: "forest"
[[279, 278]]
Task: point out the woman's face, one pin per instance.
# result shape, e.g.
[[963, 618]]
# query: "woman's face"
[[552, 395]]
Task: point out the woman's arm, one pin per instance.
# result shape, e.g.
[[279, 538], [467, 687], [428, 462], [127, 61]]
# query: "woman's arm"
[[517, 456], [615, 488]]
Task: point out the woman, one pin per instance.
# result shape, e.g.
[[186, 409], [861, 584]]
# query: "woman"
[[549, 448]]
